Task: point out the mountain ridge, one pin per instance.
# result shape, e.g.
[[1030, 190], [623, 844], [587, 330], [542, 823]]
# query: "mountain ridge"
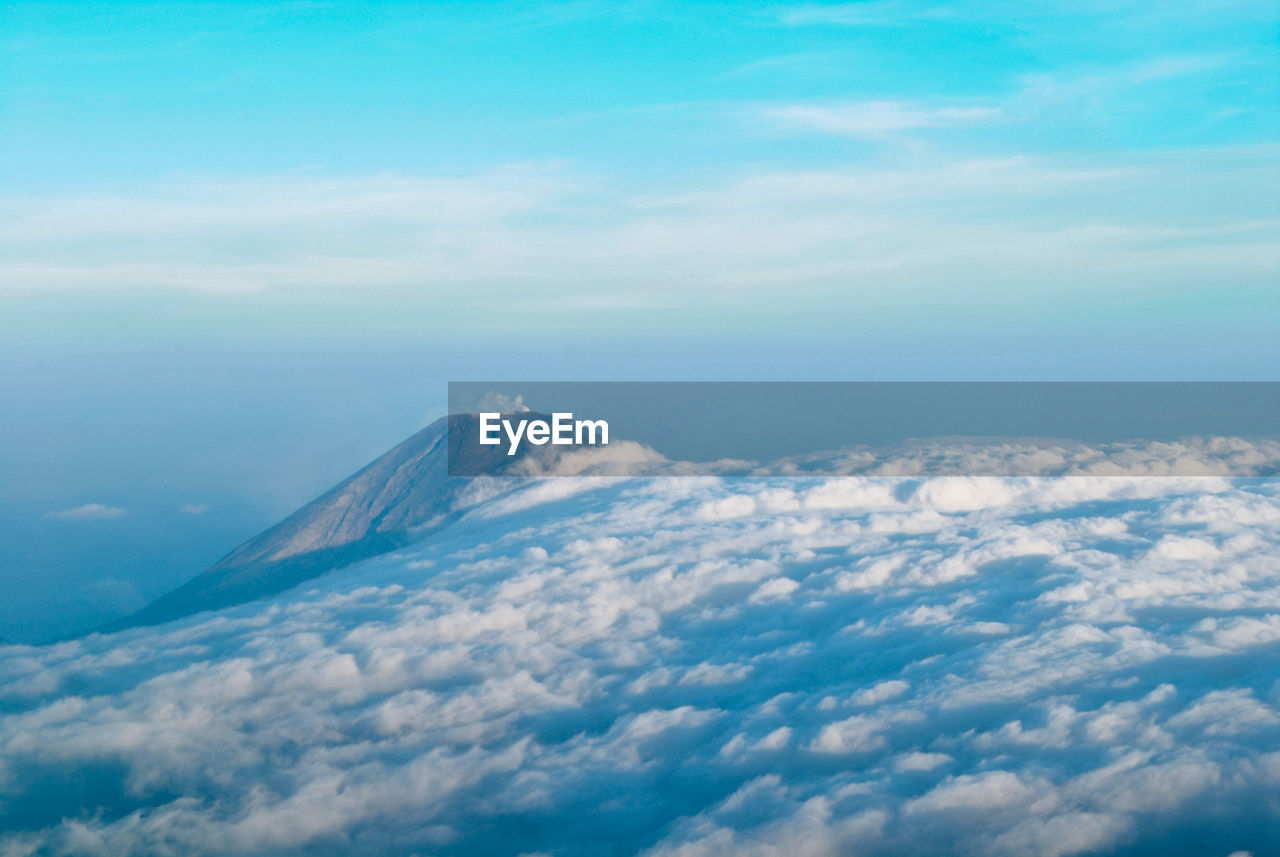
[[401, 496]]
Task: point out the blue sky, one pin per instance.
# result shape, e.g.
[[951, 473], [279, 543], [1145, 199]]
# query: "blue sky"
[[593, 166], [104, 95], [244, 245], [573, 168]]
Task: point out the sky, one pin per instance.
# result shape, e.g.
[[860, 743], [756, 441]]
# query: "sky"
[[243, 246]]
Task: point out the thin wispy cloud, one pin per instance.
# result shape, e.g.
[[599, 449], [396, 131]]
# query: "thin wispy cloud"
[[560, 234], [874, 120], [1089, 84], [88, 512], [872, 13], [906, 12]]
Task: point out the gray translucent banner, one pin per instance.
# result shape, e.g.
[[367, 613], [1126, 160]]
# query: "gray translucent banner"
[[867, 428]]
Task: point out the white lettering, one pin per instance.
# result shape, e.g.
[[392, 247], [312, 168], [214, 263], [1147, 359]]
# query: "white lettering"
[[489, 424], [563, 430], [591, 426], [513, 435], [538, 432]]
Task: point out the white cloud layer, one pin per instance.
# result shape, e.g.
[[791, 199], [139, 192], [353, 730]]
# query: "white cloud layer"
[[700, 666]]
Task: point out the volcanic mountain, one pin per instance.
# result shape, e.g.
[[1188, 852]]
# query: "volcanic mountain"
[[399, 498]]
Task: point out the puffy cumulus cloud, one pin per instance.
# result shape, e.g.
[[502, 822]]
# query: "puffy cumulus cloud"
[[881, 692], [991, 790], [699, 666], [977, 456]]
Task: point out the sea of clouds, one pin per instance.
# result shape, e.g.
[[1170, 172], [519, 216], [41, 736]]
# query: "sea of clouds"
[[700, 666]]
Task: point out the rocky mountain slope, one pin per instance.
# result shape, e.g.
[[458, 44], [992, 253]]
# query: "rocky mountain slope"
[[398, 498]]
